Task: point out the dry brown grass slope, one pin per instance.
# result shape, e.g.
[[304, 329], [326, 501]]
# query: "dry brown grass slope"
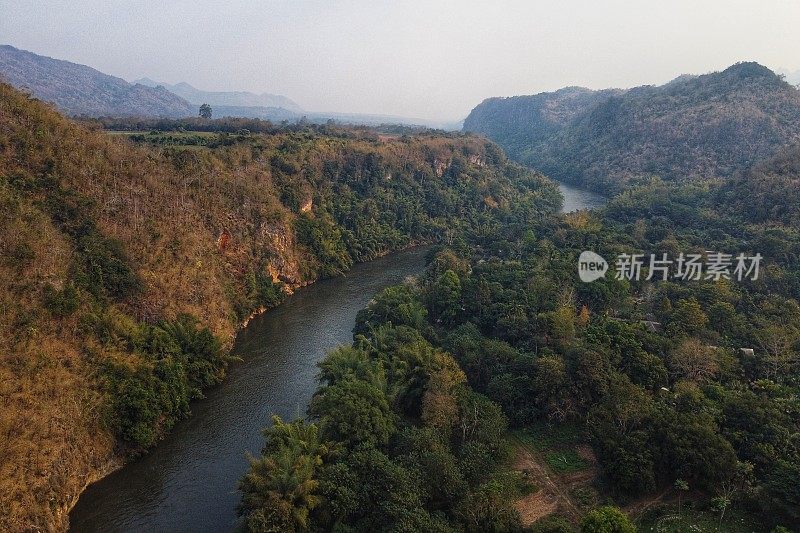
[[53, 439]]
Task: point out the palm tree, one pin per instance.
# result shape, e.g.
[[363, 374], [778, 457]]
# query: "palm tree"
[[279, 490], [299, 436]]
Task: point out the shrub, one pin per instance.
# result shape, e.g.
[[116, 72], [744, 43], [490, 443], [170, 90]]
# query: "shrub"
[[607, 519], [18, 255], [61, 303], [104, 269], [147, 400], [324, 239], [200, 352]]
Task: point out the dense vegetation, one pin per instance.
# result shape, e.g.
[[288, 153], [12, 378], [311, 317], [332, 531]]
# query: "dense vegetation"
[[181, 125], [684, 388], [693, 127], [520, 124], [401, 441], [127, 266]]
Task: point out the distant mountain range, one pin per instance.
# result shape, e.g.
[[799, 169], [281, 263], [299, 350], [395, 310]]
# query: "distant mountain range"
[[694, 126], [367, 119], [279, 108], [233, 99], [81, 90]]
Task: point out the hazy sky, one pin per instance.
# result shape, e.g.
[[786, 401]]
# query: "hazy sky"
[[428, 59]]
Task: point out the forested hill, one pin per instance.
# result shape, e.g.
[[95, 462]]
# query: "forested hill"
[[81, 90], [522, 122], [128, 261], [692, 127], [768, 193]]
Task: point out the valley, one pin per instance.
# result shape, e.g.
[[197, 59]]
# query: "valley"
[[279, 351], [565, 298], [277, 375], [127, 269], [494, 323]]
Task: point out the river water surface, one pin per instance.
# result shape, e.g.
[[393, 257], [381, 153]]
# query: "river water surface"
[[188, 481], [575, 199]]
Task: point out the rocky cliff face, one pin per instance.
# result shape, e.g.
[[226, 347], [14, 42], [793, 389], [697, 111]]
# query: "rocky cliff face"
[[284, 262]]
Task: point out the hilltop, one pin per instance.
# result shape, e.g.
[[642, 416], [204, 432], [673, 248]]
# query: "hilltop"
[[80, 90], [705, 126]]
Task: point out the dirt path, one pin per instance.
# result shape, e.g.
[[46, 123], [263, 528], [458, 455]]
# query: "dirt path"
[[637, 508], [555, 490], [553, 494]]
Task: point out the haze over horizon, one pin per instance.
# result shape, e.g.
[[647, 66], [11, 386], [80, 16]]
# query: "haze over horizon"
[[409, 59]]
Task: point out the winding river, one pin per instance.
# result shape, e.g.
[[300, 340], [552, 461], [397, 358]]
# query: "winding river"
[[188, 481]]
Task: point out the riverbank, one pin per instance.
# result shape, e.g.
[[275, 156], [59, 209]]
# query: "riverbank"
[[290, 289], [192, 473], [117, 462]]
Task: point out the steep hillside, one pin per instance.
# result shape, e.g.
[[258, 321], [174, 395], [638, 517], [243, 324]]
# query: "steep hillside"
[[225, 98], [125, 269], [521, 123], [81, 90], [768, 193], [693, 127]]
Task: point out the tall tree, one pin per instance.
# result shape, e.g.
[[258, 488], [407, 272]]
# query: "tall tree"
[[281, 488]]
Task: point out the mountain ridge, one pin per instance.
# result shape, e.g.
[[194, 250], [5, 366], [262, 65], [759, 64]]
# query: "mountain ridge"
[[82, 90], [705, 126], [224, 98]]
